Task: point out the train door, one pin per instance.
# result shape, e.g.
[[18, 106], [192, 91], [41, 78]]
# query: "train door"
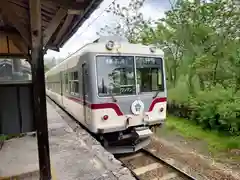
[[84, 90]]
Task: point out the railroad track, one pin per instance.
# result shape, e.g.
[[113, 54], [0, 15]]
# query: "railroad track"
[[146, 166]]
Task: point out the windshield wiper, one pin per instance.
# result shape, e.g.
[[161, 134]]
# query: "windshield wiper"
[[113, 97], [156, 94]]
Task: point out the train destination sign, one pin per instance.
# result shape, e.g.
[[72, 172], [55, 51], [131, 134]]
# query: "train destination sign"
[[119, 60], [140, 61]]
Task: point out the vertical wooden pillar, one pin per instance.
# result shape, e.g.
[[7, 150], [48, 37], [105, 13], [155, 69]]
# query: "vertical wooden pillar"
[[39, 89]]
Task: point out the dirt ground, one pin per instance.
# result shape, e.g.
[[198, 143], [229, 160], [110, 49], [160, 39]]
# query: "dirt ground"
[[231, 159], [192, 156]]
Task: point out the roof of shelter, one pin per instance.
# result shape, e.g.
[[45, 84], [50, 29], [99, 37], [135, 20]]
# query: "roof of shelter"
[[60, 20]]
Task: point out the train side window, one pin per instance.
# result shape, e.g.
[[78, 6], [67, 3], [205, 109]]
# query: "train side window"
[[75, 75], [76, 88], [66, 81], [74, 84], [70, 83]]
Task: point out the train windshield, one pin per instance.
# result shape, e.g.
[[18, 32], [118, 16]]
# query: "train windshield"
[[115, 75], [149, 74]]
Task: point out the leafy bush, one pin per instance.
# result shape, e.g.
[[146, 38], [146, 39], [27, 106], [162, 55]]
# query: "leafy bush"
[[179, 94], [216, 109], [178, 103]]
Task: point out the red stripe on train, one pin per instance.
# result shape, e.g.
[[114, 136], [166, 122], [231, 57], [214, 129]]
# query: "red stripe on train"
[[114, 106], [108, 105], [75, 99], [155, 101]]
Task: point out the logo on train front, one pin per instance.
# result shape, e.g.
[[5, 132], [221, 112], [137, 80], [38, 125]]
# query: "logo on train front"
[[137, 107]]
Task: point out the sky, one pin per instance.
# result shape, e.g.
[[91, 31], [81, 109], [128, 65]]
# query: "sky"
[[153, 9]]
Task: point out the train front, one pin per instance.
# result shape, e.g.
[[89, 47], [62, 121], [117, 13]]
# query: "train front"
[[132, 95]]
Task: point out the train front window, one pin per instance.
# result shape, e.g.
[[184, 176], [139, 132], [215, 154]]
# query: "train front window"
[[115, 75], [149, 74]]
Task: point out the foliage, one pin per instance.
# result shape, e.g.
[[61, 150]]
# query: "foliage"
[[129, 20], [201, 42], [216, 109], [202, 54], [3, 137]]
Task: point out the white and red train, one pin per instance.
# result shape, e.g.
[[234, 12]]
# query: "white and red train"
[[116, 89]]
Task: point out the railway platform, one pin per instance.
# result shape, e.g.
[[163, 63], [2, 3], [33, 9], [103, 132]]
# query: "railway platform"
[[74, 155]]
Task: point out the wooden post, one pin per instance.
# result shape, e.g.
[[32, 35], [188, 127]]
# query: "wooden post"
[[39, 93]]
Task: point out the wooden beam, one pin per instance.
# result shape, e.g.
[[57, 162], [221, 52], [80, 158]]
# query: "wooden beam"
[[71, 30], [21, 11], [53, 48], [7, 29], [18, 42], [53, 25], [78, 21], [71, 4], [65, 25], [39, 94], [75, 12], [7, 55], [35, 21], [10, 17], [16, 39]]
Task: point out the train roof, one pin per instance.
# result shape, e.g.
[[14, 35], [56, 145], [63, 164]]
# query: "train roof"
[[100, 47]]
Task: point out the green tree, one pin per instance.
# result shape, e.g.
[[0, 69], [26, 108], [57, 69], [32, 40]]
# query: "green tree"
[[201, 42], [198, 42], [129, 20]]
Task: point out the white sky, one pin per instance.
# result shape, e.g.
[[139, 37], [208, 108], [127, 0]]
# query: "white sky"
[[153, 9]]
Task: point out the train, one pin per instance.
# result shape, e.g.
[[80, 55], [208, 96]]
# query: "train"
[[115, 89]]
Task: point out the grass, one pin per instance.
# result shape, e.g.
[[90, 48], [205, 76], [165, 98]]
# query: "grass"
[[3, 137], [7, 137], [216, 142]]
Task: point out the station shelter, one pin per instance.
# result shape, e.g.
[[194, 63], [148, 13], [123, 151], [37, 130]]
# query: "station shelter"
[[28, 28]]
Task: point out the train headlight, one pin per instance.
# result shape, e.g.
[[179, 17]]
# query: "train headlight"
[[161, 109], [146, 118], [110, 45], [105, 117]]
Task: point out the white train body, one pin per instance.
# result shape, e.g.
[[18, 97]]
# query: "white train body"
[[118, 93]]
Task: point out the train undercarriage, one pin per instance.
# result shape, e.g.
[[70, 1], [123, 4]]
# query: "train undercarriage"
[[128, 141]]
